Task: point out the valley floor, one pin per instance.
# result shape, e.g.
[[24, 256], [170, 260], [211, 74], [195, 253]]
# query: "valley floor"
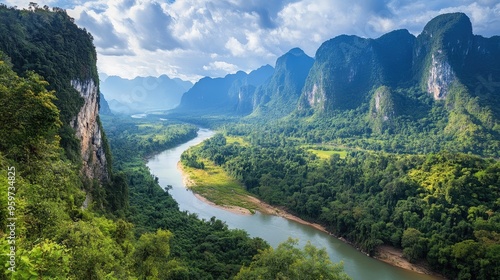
[[385, 253]]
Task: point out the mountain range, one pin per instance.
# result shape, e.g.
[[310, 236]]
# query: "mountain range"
[[445, 79], [347, 69], [142, 93], [230, 94]]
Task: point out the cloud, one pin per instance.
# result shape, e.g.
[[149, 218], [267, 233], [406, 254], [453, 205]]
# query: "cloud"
[[235, 47], [106, 38], [413, 15], [265, 10], [221, 65], [195, 38], [152, 27]]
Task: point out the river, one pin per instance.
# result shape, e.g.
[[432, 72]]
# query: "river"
[[273, 229]]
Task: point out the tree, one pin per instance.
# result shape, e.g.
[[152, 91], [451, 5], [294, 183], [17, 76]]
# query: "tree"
[[29, 114], [289, 262], [414, 245], [151, 257]]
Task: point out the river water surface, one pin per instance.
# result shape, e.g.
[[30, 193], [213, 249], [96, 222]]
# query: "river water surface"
[[273, 229]]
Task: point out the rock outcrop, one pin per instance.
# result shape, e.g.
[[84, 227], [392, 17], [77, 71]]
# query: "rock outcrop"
[[440, 77], [382, 109], [89, 132]]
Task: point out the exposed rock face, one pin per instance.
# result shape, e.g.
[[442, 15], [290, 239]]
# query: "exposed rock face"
[[245, 99], [89, 133], [382, 109], [316, 97], [382, 105], [441, 76], [345, 69]]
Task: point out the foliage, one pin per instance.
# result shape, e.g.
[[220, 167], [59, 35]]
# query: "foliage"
[[198, 249], [427, 205], [28, 112], [289, 262], [55, 237], [151, 257], [37, 40], [50, 44]]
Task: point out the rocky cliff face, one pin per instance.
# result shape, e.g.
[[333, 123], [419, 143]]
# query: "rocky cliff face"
[[345, 70], [89, 133], [440, 76], [442, 49], [348, 68], [382, 109], [316, 96]]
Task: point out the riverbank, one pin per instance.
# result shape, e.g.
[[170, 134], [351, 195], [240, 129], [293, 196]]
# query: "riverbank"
[[394, 256], [385, 253]]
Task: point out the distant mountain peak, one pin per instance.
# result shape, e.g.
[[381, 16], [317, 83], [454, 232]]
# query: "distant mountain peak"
[[296, 51], [448, 23]]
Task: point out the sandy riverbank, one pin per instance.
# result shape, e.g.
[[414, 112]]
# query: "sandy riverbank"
[[394, 256], [385, 253]]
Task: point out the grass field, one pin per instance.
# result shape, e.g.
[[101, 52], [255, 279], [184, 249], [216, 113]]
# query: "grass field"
[[216, 185], [325, 151], [237, 139], [327, 154]]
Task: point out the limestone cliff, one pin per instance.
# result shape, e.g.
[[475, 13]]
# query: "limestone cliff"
[[382, 109], [441, 50], [89, 132], [316, 97], [440, 77]]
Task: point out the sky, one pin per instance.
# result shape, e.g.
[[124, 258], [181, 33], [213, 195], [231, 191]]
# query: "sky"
[[190, 39]]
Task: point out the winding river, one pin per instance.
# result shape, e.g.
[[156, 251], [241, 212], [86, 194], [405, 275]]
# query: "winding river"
[[273, 229]]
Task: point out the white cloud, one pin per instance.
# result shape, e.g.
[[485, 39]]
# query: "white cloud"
[[221, 65], [235, 47], [194, 38]]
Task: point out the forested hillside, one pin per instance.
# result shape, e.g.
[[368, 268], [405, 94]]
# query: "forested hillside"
[[64, 213], [38, 41], [440, 207]]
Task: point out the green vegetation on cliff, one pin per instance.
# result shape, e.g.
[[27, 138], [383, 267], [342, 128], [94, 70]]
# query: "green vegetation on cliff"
[[50, 44]]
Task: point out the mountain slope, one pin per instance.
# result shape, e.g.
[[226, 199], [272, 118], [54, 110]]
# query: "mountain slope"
[[35, 41], [348, 67], [227, 95], [441, 82], [279, 95], [104, 106]]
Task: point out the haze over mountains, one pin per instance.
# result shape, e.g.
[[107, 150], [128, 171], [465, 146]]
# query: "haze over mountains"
[[230, 94], [443, 80], [142, 93]]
